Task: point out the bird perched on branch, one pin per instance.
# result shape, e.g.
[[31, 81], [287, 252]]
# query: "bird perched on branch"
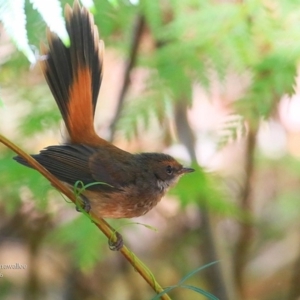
[[118, 184]]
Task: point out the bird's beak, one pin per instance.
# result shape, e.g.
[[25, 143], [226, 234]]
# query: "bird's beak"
[[186, 170]]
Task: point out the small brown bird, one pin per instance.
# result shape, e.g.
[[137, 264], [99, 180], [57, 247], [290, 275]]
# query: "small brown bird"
[[134, 183]]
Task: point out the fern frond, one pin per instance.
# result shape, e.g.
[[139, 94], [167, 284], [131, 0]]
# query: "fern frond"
[[12, 15], [232, 129]]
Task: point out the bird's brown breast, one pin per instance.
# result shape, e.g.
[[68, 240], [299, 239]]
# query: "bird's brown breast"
[[128, 203]]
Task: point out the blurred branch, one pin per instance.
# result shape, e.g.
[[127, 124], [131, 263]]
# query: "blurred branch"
[[245, 235], [36, 231], [209, 252], [295, 286], [136, 38], [99, 222], [184, 132]]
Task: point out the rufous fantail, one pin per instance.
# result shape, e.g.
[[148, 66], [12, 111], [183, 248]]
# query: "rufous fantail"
[[132, 183]]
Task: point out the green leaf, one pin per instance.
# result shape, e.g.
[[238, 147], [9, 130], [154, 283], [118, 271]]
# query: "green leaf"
[[193, 288], [192, 273]]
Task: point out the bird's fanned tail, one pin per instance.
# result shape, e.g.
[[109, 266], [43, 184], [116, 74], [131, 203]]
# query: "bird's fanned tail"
[[74, 74]]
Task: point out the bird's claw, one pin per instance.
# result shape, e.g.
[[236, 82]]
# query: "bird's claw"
[[117, 243], [86, 206]]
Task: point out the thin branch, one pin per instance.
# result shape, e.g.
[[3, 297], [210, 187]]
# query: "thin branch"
[[99, 222]]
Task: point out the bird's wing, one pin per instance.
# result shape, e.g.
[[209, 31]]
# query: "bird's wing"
[[73, 163]]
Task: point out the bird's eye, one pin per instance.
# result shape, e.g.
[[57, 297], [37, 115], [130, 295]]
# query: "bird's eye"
[[169, 170]]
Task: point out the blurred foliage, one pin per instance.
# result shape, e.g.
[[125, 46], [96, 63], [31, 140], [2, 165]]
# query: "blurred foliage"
[[190, 40], [86, 249]]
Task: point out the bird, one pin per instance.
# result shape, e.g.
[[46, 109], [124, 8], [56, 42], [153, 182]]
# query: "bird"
[[117, 184]]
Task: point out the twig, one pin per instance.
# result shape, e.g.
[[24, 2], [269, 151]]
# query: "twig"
[[99, 222]]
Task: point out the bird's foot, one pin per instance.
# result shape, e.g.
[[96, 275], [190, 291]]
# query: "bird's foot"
[[115, 243], [85, 205]]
